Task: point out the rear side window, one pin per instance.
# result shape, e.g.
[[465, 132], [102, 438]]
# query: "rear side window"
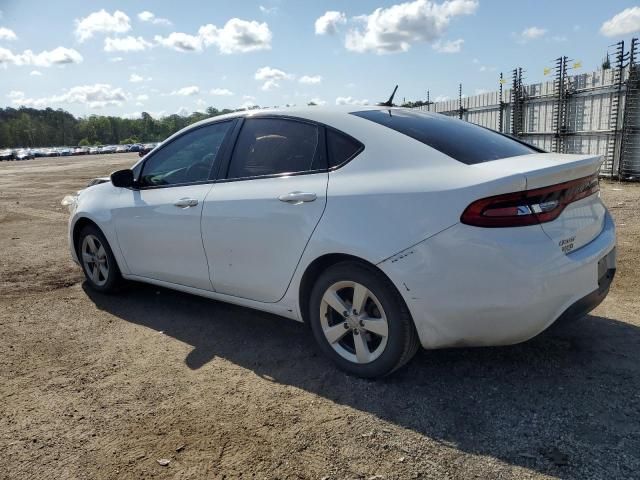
[[462, 141], [271, 146], [341, 148]]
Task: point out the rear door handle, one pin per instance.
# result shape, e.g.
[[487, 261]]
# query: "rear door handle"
[[296, 198], [186, 202]]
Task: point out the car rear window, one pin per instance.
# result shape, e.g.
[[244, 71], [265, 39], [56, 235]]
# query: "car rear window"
[[462, 141]]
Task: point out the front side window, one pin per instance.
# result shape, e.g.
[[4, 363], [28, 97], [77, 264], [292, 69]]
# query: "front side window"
[[188, 159], [271, 146]]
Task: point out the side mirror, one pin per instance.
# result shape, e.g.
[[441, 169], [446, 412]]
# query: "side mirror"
[[122, 178]]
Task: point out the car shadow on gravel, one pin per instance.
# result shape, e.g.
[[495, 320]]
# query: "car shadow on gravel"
[[565, 403]]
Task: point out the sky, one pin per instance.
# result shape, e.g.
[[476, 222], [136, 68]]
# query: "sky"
[[163, 57]]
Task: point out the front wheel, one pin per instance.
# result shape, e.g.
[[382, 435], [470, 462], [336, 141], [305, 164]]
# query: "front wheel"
[[97, 260], [360, 321]]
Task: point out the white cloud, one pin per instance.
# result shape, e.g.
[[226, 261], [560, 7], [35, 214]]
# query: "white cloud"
[[270, 85], [350, 101], [35, 73], [142, 98], [318, 101], [149, 17], [182, 42], [237, 36], [271, 77], [448, 46], [135, 78], [268, 10], [101, 22], [93, 96], [532, 33], [222, 92], [126, 44], [183, 112], [248, 97], [395, 29], [7, 34], [310, 79], [249, 104], [47, 58], [624, 23], [329, 23], [268, 73], [187, 91], [116, 59]]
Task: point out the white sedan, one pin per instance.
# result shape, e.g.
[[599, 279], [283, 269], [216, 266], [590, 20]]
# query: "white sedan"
[[383, 228]]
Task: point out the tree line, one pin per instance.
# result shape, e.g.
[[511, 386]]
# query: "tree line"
[[31, 127]]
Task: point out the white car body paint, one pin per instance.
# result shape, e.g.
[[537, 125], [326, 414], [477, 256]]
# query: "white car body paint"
[[396, 205]]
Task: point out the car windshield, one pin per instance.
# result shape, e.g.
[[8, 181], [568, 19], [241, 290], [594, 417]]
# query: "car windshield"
[[462, 141]]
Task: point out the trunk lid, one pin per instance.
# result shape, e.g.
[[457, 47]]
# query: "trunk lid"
[[580, 221]]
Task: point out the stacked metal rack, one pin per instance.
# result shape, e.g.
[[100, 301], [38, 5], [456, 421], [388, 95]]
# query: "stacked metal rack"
[[592, 113]]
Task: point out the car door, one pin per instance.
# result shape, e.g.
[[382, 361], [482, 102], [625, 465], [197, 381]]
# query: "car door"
[[158, 224], [258, 218]]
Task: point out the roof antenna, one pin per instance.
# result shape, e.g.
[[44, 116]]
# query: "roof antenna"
[[389, 103]]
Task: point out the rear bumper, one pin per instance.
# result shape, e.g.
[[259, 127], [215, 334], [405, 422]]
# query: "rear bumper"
[[587, 303], [470, 286]]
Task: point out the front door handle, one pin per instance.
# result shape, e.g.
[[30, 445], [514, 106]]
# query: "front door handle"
[[296, 198], [186, 202]]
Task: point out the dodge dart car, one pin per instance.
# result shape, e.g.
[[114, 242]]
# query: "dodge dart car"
[[383, 228]]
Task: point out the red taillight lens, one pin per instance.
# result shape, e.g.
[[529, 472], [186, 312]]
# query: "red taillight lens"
[[529, 207]]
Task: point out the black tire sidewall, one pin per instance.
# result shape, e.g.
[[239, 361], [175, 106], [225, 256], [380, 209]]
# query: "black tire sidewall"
[[114, 277], [385, 292]]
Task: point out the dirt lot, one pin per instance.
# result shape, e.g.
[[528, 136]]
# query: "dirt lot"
[[103, 387]]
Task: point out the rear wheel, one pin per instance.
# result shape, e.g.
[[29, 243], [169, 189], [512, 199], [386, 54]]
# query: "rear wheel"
[[360, 321], [97, 260]]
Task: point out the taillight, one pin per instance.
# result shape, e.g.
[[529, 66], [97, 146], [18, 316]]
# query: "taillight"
[[529, 207]]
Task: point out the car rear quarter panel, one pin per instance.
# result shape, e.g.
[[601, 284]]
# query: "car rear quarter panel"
[[394, 194]]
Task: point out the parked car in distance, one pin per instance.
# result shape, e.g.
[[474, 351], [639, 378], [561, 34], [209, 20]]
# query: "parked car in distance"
[[65, 151], [146, 148], [6, 154], [39, 152], [108, 149], [122, 149], [23, 154], [94, 150], [382, 228], [135, 147], [51, 152], [81, 150]]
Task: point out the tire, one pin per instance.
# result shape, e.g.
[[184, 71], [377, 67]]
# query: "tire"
[[357, 343], [108, 278]]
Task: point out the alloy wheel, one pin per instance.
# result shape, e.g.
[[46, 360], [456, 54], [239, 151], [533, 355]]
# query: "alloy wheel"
[[94, 259], [354, 322]]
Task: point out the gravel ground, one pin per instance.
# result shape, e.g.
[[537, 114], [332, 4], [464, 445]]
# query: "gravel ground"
[[103, 387]]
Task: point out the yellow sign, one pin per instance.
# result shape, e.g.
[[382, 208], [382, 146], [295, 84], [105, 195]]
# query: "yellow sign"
[[547, 71], [577, 65], [502, 80]]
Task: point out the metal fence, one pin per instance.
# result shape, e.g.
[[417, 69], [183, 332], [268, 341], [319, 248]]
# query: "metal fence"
[[591, 113]]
